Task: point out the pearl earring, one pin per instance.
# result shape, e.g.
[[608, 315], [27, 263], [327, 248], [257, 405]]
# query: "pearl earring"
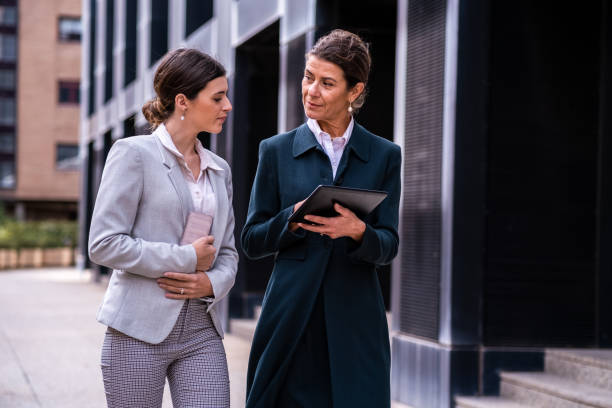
[[350, 108], [183, 116]]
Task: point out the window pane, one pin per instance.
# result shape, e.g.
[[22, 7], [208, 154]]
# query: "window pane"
[[198, 12], [67, 157], [7, 174], [8, 16], [8, 47], [7, 111], [69, 29], [7, 79], [69, 92], [7, 142]]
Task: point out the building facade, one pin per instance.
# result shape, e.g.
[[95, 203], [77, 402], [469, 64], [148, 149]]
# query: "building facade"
[[39, 127], [500, 113]]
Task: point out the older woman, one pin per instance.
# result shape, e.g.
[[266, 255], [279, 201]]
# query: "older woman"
[[322, 339]]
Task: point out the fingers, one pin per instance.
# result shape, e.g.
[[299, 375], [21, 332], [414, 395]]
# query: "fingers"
[[207, 240], [342, 210], [317, 219], [319, 229], [298, 205], [178, 276], [197, 286]]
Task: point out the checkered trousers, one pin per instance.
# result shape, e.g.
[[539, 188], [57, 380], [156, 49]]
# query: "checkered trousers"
[[192, 357]]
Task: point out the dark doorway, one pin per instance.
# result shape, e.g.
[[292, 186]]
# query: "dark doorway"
[[375, 22], [540, 272], [254, 119]]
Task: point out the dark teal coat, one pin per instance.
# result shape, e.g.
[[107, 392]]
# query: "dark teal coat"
[[290, 166]]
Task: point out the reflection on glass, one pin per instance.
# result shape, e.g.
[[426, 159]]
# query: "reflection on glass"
[[8, 16], [69, 29]]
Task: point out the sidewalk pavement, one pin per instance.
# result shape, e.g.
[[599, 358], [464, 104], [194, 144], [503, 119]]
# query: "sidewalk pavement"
[[50, 342]]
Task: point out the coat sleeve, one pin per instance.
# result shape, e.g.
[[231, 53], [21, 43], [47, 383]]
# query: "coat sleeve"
[[116, 208], [380, 240], [223, 273], [266, 230]]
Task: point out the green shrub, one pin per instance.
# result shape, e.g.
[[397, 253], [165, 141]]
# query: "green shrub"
[[38, 234]]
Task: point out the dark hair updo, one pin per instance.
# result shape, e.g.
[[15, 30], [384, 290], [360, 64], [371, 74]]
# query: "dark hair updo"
[[351, 54], [186, 71]]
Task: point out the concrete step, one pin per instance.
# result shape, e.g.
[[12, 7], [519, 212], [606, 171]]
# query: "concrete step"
[[584, 366], [550, 390], [487, 402], [243, 328]]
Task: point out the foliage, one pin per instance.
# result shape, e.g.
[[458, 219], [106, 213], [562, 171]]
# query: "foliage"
[[37, 234]]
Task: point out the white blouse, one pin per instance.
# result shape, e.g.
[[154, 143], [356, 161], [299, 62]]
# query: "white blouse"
[[332, 147], [200, 188]]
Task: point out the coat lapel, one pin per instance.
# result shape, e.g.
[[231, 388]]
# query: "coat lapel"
[[359, 144]]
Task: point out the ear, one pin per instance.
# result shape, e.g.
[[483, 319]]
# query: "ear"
[[181, 102], [356, 91]]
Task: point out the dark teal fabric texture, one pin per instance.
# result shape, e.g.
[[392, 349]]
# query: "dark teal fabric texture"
[[291, 165]]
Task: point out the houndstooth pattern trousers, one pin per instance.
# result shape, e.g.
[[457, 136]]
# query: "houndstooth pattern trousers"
[[192, 357]]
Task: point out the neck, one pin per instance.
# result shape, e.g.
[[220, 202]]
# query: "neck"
[[183, 138], [336, 127]]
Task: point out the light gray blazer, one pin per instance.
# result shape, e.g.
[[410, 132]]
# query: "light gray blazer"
[[138, 220]]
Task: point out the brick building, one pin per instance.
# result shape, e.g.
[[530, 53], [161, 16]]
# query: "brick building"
[[39, 107]]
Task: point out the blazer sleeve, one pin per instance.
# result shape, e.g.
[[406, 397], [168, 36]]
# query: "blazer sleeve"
[[380, 240], [116, 208], [223, 273], [266, 230]]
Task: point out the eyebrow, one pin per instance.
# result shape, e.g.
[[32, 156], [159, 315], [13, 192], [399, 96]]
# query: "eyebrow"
[[324, 78], [221, 92]]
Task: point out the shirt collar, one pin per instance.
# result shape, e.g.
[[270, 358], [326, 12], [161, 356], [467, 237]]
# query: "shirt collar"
[[314, 127], [166, 141]]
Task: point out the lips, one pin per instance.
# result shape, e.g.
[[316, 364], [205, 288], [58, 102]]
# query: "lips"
[[312, 105]]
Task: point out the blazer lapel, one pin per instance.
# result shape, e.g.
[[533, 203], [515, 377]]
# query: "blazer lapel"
[[177, 179], [217, 181]]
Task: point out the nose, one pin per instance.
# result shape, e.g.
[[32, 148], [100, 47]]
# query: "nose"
[[313, 89], [228, 106]]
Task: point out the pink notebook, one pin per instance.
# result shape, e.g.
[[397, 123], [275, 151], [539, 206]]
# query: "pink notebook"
[[198, 226]]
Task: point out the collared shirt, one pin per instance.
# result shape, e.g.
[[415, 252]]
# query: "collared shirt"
[[200, 188], [332, 147]]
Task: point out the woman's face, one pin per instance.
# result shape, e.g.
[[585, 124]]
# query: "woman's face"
[[208, 110], [325, 93]]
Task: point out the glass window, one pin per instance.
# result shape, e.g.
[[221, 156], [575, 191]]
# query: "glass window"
[[69, 92], [198, 12], [159, 30], [7, 173], [7, 142], [8, 47], [7, 79], [7, 111], [67, 157], [8, 15], [131, 37], [70, 29]]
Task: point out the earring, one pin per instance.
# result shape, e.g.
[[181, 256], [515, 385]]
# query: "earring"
[[350, 108], [183, 116]]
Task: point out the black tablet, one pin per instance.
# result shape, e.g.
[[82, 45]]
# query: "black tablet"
[[321, 202]]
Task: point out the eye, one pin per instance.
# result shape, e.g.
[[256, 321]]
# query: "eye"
[[328, 84], [217, 99], [307, 77]]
